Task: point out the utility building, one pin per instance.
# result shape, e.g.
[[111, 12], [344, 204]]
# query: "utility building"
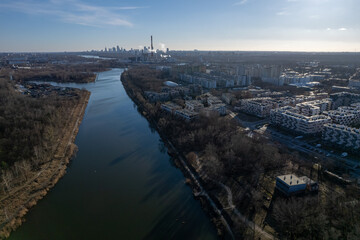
[[290, 184]]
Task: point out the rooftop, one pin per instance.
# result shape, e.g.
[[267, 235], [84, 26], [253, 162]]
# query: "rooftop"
[[291, 180]]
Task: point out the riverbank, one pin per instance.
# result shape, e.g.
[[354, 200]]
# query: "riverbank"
[[17, 202], [193, 179]]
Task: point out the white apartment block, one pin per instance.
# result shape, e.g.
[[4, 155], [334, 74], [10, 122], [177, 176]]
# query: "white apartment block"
[[204, 82], [288, 118], [345, 115], [193, 105], [342, 136], [259, 107], [219, 108], [186, 114], [314, 108], [354, 83], [170, 107], [344, 99]]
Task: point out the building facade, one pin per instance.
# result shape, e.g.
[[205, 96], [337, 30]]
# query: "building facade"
[[342, 136], [288, 118]]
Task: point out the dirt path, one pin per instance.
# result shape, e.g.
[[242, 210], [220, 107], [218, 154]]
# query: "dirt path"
[[249, 223]]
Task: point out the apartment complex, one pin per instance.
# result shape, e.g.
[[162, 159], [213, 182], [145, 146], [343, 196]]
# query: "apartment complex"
[[346, 115], [289, 118], [259, 107], [342, 136], [315, 107]]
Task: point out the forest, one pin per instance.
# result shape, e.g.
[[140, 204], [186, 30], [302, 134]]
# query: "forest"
[[222, 153], [78, 73], [29, 129]]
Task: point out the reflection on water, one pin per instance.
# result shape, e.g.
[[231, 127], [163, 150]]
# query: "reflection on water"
[[121, 185]]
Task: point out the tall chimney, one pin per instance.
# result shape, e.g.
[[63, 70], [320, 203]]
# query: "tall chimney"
[[152, 46]]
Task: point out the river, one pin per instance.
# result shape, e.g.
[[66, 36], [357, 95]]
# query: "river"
[[121, 185]]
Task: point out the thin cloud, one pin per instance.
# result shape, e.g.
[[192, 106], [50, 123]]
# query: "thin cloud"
[[74, 12], [283, 13], [242, 2], [342, 29]]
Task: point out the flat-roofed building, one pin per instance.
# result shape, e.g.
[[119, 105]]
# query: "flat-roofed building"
[[290, 184], [259, 107], [170, 107], [288, 118], [227, 97], [345, 115], [219, 108], [342, 136], [194, 105], [344, 99], [315, 107], [186, 114], [311, 185]]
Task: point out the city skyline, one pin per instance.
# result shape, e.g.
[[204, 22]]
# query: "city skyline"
[[247, 25]]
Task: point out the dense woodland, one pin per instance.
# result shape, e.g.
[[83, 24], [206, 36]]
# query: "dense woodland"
[[29, 129], [79, 73], [230, 156]]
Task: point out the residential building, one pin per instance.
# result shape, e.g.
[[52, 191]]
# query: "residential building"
[[186, 114], [313, 108], [170, 107], [219, 108], [354, 83], [227, 97], [194, 105], [344, 99], [288, 118], [259, 107], [345, 115], [342, 136]]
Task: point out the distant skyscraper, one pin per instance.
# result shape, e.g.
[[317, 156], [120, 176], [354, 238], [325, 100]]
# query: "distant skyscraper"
[[105, 49], [117, 48]]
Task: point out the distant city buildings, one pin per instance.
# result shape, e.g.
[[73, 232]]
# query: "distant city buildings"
[[354, 83]]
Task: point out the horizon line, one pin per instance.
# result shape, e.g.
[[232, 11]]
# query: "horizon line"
[[193, 50]]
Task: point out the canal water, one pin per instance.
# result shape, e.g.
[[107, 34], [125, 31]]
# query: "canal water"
[[122, 183]]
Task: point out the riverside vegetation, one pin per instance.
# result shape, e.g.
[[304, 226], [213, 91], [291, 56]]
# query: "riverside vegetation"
[[241, 170], [36, 143]]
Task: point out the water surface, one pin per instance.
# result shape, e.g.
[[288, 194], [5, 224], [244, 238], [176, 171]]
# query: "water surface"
[[122, 183]]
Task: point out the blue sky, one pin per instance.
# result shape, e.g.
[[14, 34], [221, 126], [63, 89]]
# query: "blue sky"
[[280, 25]]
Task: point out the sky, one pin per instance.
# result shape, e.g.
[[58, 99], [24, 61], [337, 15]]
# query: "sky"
[[243, 25]]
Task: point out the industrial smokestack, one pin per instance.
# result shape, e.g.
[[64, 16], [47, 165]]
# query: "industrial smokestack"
[[152, 46]]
